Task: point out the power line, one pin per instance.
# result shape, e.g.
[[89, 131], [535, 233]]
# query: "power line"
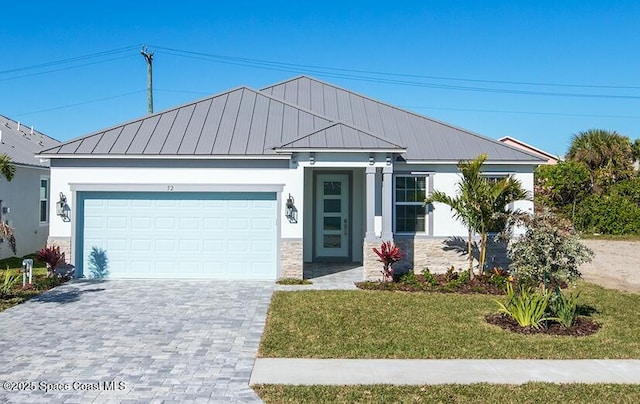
[[522, 112], [79, 103], [71, 60], [335, 71]]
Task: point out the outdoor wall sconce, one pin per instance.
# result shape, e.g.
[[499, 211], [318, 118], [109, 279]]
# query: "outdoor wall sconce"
[[291, 212], [62, 209]]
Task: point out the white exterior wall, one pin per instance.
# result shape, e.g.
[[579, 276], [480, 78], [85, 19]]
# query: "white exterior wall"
[[22, 197], [62, 177], [445, 179]]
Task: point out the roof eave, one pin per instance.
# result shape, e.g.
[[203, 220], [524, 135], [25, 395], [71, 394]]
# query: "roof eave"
[[165, 157], [341, 150]]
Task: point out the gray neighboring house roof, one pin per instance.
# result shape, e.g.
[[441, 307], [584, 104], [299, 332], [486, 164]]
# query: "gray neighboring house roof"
[[298, 114], [21, 144]]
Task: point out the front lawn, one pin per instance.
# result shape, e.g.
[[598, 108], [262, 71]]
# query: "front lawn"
[[375, 324], [18, 294], [452, 393]]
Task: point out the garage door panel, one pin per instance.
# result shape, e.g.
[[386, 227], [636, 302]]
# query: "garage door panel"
[[211, 235]]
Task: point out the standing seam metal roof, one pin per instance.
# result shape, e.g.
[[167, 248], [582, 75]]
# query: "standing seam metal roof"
[[299, 113]]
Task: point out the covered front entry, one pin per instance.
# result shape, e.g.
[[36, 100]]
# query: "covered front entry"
[[333, 216], [213, 235]]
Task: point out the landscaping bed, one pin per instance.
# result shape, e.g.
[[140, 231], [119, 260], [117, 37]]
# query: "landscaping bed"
[[450, 282]]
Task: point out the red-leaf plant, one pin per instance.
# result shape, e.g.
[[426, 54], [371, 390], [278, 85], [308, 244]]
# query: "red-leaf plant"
[[389, 254], [53, 258]]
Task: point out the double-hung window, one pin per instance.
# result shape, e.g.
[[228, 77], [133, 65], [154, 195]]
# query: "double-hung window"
[[410, 212], [44, 200]]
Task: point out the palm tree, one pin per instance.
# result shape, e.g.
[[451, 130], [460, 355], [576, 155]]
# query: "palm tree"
[[7, 170], [607, 154], [463, 204], [481, 205]]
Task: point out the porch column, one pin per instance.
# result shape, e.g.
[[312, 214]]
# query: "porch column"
[[387, 203], [370, 183]]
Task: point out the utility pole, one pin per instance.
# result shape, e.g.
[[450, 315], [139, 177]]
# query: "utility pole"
[[148, 56]]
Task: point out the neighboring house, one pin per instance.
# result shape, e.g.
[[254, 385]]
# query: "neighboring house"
[[511, 141], [24, 201], [251, 184]]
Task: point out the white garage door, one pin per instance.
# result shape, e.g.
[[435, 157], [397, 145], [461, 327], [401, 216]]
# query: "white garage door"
[[218, 235]]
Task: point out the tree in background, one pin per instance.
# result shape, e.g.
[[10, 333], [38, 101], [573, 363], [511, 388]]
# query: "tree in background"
[[607, 154], [7, 170], [561, 186]]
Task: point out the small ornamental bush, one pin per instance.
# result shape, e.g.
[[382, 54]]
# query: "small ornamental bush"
[[388, 255], [548, 253], [11, 279], [527, 306], [53, 258], [564, 308]]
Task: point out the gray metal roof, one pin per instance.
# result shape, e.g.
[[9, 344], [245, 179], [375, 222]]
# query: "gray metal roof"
[[238, 122], [341, 136], [21, 144], [423, 137], [301, 113]]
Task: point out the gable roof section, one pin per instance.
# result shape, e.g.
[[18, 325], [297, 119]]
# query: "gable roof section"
[[20, 143], [239, 122], [339, 136], [530, 148], [425, 139]]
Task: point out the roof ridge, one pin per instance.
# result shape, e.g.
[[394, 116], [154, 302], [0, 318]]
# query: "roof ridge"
[[400, 109]]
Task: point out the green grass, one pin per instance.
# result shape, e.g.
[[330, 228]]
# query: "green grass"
[[377, 324], [451, 393], [294, 281], [18, 295]]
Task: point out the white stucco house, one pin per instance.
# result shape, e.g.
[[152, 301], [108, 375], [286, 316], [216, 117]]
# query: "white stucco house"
[[253, 184], [24, 201]]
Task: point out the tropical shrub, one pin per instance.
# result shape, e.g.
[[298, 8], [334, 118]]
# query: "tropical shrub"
[[53, 258], [615, 212], [528, 306], [388, 255], [429, 277], [11, 279], [549, 252], [564, 308]]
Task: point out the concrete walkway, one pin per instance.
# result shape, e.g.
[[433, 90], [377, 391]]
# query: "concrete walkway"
[[437, 371]]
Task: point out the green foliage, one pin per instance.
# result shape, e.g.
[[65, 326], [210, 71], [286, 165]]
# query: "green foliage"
[[562, 184], [293, 281], [548, 252], [613, 214], [564, 308], [11, 279], [527, 306], [7, 169], [607, 154], [429, 277], [480, 205]]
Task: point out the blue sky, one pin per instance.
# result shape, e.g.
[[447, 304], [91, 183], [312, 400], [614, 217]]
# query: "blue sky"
[[539, 71]]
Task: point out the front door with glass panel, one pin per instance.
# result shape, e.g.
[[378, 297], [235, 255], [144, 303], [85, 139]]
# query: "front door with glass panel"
[[332, 225]]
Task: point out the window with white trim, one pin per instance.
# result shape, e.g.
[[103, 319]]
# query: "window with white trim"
[[409, 210], [44, 200]]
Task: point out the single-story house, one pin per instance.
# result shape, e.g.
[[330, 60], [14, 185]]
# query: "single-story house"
[[24, 201], [253, 184], [512, 141]]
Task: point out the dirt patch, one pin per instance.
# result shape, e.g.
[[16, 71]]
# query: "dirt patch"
[[616, 264]]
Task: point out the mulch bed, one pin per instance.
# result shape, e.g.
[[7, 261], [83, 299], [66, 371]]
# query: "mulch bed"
[[582, 326], [481, 285]]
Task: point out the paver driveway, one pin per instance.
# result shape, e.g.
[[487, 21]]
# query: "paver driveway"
[[144, 341]]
